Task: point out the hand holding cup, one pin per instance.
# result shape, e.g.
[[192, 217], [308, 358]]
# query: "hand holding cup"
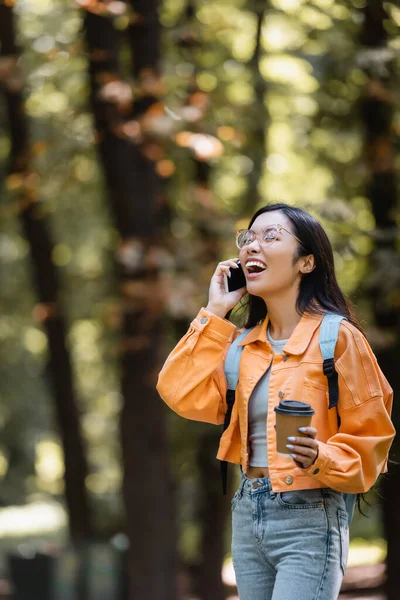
[[304, 450], [295, 438]]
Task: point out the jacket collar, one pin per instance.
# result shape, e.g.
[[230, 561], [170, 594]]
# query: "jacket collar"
[[298, 341]]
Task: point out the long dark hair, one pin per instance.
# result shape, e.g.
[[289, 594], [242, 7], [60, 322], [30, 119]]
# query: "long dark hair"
[[319, 290]]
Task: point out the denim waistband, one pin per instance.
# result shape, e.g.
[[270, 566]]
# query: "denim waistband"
[[254, 486]]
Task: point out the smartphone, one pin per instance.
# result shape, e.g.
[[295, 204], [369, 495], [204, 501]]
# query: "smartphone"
[[236, 281]]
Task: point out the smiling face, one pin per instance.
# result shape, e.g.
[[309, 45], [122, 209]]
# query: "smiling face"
[[270, 268]]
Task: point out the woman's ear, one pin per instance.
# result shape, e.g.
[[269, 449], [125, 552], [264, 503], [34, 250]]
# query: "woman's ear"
[[307, 264]]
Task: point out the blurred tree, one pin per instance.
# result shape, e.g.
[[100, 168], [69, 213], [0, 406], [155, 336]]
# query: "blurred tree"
[[22, 184], [258, 119], [377, 112], [213, 512], [212, 508], [125, 114]]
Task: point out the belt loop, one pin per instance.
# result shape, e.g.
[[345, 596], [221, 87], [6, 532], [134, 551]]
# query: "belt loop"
[[241, 485]]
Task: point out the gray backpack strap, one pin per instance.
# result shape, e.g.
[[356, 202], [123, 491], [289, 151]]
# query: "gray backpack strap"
[[231, 368], [329, 334], [232, 361], [327, 342]]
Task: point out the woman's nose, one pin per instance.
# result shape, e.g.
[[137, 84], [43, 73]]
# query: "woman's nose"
[[253, 246]]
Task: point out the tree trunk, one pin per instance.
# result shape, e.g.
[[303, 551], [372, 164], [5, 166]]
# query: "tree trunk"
[[128, 155], [377, 113], [213, 514], [24, 183], [212, 508], [259, 121]]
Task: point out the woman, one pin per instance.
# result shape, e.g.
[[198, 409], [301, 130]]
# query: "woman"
[[289, 524]]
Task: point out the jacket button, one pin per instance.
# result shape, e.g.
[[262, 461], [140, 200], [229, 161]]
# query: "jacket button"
[[315, 472], [285, 357], [289, 480], [203, 320], [281, 394]]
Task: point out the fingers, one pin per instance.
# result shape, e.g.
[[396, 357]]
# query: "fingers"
[[232, 261], [223, 269], [310, 431], [304, 450], [303, 445], [220, 299], [226, 265]]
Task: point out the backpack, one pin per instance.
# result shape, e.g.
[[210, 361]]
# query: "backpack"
[[328, 335]]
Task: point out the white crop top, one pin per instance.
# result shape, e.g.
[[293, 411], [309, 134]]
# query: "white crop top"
[[258, 409]]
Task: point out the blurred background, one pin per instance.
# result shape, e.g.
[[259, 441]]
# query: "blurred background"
[[135, 137]]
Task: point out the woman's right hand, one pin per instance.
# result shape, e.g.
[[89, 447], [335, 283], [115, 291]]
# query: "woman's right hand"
[[221, 302]]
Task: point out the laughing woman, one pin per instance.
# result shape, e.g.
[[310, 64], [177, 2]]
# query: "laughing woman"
[[289, 520]]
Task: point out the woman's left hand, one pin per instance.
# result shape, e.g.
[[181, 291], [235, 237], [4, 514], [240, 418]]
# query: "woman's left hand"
[[304, 450]]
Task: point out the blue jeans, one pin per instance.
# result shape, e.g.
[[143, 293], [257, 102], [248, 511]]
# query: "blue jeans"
[[288, 545]]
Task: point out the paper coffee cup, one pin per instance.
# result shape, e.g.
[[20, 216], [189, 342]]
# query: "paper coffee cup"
[[290, 415]]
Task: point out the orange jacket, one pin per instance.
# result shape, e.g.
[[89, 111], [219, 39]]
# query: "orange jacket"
[[193, 384]]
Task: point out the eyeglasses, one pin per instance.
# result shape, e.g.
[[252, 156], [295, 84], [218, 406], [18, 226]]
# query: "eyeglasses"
[[244, 237]]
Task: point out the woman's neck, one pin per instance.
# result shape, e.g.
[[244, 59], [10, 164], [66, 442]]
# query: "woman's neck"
[[283, 316]]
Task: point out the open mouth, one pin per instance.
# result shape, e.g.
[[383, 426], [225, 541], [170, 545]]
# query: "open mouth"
[[255, 266]]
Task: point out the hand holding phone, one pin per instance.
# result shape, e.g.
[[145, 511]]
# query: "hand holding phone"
[[236, 280], [226, 291]]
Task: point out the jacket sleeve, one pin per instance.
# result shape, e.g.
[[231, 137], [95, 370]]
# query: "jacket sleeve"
[[192, 380], [352, 459]]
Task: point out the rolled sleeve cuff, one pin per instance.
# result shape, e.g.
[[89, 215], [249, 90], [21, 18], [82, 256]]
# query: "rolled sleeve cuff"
[[213, 326]]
